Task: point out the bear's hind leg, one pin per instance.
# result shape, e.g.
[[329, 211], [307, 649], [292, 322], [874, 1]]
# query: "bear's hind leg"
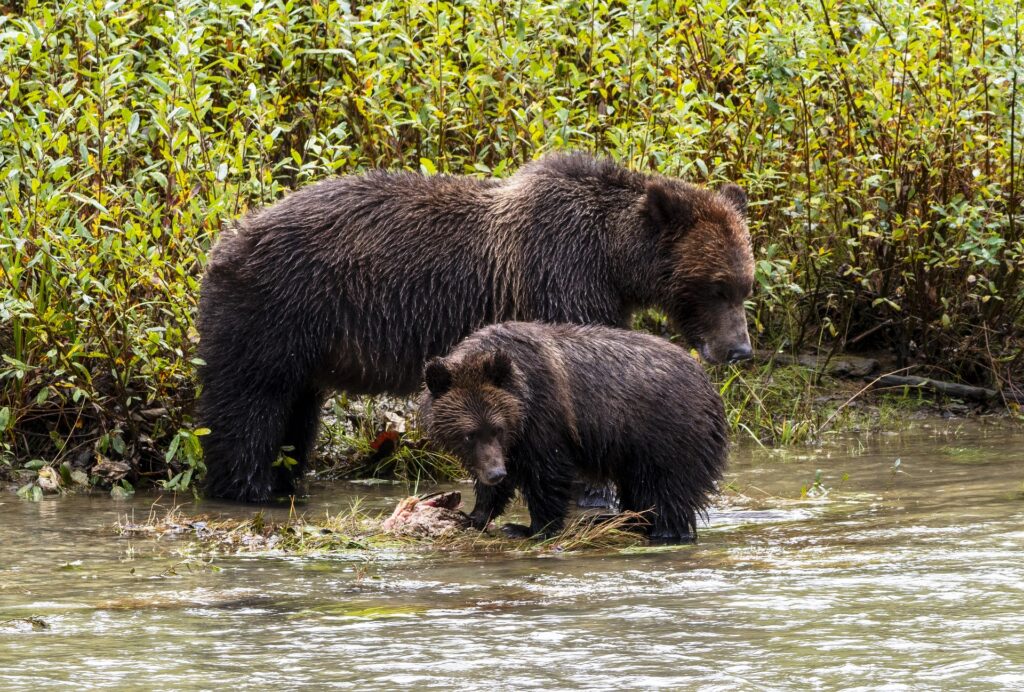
[[299, 441], [674, 526], [662, 503], [246, 431], [595, 495]]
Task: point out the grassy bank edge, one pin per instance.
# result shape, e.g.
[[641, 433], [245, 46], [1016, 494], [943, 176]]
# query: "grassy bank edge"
[[767, 404]]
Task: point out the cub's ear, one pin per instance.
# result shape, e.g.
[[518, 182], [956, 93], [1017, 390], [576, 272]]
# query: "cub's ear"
[[437, 376], [666, 206], [498, 368], [736, 196]]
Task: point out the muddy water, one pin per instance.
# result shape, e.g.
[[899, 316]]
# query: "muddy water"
[[907, 574]]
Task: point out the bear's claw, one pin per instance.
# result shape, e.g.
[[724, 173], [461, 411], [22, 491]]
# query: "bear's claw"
[[516, 531]]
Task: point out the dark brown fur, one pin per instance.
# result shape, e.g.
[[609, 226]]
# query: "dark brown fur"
[[351, 284], [531, 407]]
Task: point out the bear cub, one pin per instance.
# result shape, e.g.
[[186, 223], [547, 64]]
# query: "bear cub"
[[530, 407]]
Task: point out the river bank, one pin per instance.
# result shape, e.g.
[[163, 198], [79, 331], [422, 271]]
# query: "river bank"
[[778, 402]]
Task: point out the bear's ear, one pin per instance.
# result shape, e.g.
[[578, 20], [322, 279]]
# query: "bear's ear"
[[666, 207], [438, 377], [498, 368], [736, 196]]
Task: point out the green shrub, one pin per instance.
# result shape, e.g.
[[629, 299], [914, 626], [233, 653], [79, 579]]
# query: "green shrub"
[[879, 141]]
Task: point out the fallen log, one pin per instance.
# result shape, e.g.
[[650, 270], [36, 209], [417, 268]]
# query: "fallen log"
[[838, 366], [959, 391]]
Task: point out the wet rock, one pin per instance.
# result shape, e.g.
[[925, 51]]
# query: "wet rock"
[[376, 413], [151, 414], [29, 624], [430, 516], [110, 470], [49, 480]]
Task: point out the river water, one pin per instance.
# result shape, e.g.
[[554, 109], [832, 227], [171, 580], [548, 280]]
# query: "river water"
[[903, 567]]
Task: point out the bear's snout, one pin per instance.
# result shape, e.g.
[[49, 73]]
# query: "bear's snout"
[[728, 340], [740, 353], [493, 476], [491, 464]]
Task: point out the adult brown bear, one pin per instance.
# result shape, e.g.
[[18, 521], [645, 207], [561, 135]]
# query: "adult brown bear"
[[531, 407], [352, 283]]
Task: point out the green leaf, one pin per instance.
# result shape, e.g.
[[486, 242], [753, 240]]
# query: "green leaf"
[[30, 492], [172, 448], [89, 201], [122, 490]]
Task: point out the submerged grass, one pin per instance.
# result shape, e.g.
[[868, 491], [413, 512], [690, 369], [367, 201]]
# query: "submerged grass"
[[354, 529]]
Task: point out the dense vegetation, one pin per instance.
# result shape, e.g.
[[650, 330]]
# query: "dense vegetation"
[[879, 142]]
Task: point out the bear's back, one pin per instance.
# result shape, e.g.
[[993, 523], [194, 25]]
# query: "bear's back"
[[602, 366]]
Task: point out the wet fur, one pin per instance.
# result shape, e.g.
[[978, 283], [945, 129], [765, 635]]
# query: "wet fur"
[[350, 284], [608, 404]]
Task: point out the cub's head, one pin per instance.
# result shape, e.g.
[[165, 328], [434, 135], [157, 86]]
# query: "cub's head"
[[705, 265], [471, 408]]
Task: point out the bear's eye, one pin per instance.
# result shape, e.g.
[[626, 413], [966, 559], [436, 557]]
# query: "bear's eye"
[[468, 437]]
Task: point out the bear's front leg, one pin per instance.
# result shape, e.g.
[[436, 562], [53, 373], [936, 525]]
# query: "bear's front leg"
[[491, 501], [547, 499]]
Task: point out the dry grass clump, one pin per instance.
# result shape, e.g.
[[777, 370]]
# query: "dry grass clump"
[[354, 529]]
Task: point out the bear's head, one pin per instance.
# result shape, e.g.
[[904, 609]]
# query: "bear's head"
[[704, 265], [472, 409]]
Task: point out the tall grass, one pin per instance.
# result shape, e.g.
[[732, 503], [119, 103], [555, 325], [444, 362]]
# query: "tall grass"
[[879, 142]]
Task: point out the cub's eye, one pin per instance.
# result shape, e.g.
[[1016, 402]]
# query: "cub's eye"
[[468, 438]]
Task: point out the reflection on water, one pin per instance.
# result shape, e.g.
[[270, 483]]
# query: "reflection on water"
[[882, 573]]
